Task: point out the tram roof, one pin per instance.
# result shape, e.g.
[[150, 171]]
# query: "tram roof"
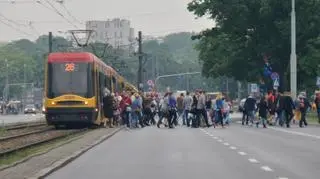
[[77, 57]]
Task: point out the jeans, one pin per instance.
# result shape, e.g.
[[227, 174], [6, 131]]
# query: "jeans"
[[186, 119]]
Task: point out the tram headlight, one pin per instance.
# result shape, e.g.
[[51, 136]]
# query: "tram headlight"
[[86, 102], [53, 103]]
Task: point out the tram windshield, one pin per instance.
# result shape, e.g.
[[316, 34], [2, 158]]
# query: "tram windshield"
[[70, 78]]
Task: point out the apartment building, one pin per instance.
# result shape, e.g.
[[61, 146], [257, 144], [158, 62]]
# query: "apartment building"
[[117, 32]]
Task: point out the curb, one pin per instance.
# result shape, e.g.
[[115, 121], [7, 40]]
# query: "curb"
[[63, 162]]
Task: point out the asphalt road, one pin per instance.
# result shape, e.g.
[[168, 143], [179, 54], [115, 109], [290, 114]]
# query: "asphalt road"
[[236, 152], [8, 119]]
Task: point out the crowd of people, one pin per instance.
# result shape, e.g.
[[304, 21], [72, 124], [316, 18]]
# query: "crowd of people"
[[194, 110], [279, 109]]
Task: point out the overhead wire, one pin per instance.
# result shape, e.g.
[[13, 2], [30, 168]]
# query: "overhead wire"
[[69, 13], [19, 24], [10, 20], [14, 28], [33, 28], [53, 8]]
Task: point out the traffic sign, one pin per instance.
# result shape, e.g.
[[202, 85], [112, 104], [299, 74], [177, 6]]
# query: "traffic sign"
[[254, 88], [150, 82], [274, 76], [318, 81], [276, 82]]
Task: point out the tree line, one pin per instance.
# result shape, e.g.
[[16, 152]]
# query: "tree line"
[[174, 53]]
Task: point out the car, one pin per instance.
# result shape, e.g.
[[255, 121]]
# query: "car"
[[30, 108]]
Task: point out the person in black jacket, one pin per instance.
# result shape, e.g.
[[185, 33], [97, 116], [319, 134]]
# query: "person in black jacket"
[[303, 107], [263, 111], [108, 103], [288, 107], [250, 107]]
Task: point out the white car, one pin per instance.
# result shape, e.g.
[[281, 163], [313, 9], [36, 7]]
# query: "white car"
[[30, 108]]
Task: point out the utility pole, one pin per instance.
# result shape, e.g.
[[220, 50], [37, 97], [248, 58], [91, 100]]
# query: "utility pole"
[[24, 84], [140, 60], [293, 56], [227, 85], [239, 90], [7, 80], [50, 42], [187, 80]]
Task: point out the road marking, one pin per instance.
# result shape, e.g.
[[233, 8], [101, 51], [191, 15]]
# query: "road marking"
[[266, 168], [283, 178], [295, 132], [215, 137], [252, 160], [220, 140], [210, 135], [226, 144], [242, 153], [233, 148]]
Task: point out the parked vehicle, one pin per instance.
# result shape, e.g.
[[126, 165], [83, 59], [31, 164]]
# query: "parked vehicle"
[[30, 108]]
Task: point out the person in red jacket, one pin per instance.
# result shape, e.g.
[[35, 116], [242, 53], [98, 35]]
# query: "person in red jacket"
[[124, 107]]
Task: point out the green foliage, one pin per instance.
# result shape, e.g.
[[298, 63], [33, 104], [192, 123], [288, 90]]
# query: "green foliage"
[[246, 30], [173, 54], [12, 63]]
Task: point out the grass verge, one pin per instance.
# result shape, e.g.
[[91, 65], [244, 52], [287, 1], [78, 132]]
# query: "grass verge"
[[24, 154]]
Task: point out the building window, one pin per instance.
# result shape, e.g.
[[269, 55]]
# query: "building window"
[[120, 34], [107, 25], [115, 34]]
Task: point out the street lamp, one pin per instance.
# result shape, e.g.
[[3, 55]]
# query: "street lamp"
[[293, 56]]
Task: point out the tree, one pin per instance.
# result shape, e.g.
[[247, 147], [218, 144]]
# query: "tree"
[[247, 30], [12, 62]]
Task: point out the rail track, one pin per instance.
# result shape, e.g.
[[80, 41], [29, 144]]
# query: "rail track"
[[24, 125], [18, 142], [22, 129]]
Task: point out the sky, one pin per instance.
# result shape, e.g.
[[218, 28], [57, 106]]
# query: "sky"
[[29, 19]]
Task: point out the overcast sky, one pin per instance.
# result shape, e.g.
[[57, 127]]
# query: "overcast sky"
[[152, 17]]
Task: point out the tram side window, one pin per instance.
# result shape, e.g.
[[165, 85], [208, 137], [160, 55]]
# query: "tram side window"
[[108, 82], [122, 86], [114, 82], [101, 83]]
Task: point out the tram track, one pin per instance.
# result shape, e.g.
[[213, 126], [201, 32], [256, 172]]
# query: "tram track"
[[12, 144], [16, 131]]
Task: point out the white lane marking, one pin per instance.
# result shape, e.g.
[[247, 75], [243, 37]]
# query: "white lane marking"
[[266, 168], [210, 135], [220, 140], [215, 137], [226, 144], [233, 148], [252, 160], [242, 153], [33, 115], [283, 178], [295, 132]]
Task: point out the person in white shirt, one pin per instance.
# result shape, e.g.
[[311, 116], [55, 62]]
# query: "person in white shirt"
[[187, 102]]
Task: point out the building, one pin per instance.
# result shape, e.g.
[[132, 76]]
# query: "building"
[[117, 32]]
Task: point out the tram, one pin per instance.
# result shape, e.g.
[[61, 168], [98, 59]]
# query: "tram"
[[74, 85]]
